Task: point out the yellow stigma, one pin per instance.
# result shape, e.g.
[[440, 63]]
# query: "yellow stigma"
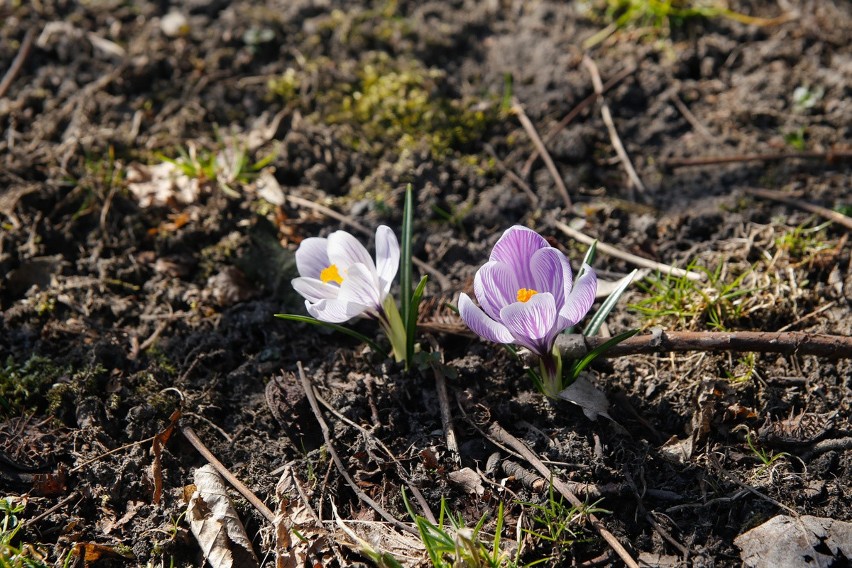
[[525, 294], [330, 274]]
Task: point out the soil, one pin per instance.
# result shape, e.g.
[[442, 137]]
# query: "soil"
[[123, 302]]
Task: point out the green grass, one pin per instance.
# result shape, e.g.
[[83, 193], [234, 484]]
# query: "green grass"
[[720, 302], [13, 552], [556, 527]]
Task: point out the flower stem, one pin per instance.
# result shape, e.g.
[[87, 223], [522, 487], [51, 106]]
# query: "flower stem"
[[394, 328], [550, 366]]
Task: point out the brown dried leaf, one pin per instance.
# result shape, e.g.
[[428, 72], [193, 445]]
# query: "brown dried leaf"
[[294, 516], [215, 524], [804, 541]]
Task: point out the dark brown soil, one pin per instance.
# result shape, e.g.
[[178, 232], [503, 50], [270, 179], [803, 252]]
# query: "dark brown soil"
[[118, 307]]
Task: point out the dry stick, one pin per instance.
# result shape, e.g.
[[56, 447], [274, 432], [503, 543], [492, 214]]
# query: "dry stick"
[[416, 492], [446, 417], [499, 433], [831, 157], [606, 115], [196, 442], [548, 161], [525, 187], [690, 118], [569, 118], [309, 392], [575, 346], [442, 280], [18, 62], [631, 258], [829, 214]]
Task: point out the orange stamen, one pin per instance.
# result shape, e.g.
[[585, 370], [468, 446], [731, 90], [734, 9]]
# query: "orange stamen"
[[525, 294], [330, 274]]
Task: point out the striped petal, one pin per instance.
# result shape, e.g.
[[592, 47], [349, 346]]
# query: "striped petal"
[[515, 248], [532, 322], [315, 290], [387, 257], [335, 311], [549, 266], [344, 250], [481, 324], [359, 287], [312, 257], [495, 286], [582, 296]]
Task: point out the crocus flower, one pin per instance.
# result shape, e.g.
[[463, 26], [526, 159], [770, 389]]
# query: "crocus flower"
[[340, 281], [528, 297]]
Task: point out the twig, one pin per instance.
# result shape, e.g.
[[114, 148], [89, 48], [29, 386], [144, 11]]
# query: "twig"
[[70, 497], [80, 466], [309, 392], [18, 62], [829, 214], [631, 258], [364, 431], [498, 432], [444, 402], [548, 161], [525, 187], [830, 157], [837, 444], [569, 118], [575, 346], [442, 280], [606, 115], [196, 442], [690, 118]]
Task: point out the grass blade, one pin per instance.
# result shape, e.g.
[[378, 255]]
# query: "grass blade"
[[597, 320], [581, 364], [405, 282], [335, 327], [411, 322]]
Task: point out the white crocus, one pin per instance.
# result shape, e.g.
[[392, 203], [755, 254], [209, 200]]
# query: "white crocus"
[[340, 281]]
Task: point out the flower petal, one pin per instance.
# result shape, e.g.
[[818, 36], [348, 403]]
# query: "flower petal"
[[581, 298], [335, 311], [495, 286], [532, 322], [344, 250], [360, 287], [515, 248], [315, 290], [312, 257], [548, 266], [481, 324], [387, 257]]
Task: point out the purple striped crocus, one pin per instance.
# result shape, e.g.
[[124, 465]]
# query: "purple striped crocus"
[[528, 297], [340, 281]]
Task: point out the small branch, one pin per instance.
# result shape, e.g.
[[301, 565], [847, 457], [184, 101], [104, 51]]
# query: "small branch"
[[196, 442], [631, 258], [505, 437], [442, 280], [312, 400], [829, 214], [830, 157], [17, 63], [569, 118], [575, 346], [525, 187], [545, 155], [606, 115], [690, 118]]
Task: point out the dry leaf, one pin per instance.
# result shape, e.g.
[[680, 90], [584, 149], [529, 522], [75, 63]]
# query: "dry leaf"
[[784, 541], [215, 524], [157, 451], [161, 184], [584, 394], [294, 516], [468, 479]]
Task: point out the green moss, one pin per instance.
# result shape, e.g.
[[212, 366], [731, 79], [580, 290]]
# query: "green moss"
[[399, 99], [24, 385]]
